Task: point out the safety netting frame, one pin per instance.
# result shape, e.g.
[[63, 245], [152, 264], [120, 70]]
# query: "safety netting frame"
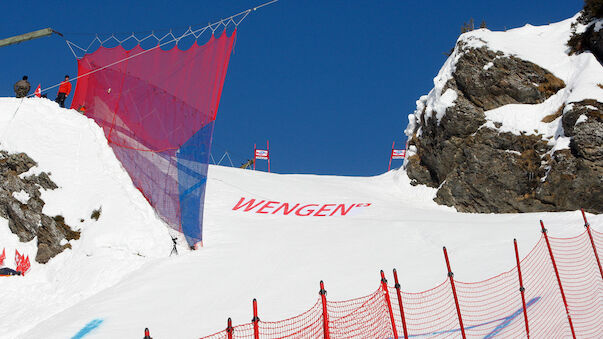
[[157, 109], [489, 308]]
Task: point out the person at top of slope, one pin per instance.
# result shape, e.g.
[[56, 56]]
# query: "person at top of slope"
[[22, 87], [64, 90]]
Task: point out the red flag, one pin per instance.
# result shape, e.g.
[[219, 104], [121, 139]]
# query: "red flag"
[[17, 258], [3, 256], [38, 91]]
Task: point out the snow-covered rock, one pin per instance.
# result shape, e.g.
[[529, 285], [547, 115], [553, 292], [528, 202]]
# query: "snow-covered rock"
[[517, 91]]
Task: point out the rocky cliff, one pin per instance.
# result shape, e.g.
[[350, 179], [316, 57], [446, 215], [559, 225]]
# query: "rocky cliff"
[[21, 205], [513, 124]]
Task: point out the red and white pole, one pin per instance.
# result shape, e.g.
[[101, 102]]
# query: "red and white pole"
[[229, 329], [255, 320], [522, 289], [268, 149], [569, 317], [389, 167], [456, 299], [389, 304], [592, 243], [397, 286], [325, 315]]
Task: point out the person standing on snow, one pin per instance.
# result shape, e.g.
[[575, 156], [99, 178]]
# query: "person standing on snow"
[[22, 87], [64, 90]]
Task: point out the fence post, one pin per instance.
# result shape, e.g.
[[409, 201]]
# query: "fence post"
[[325, 315], [255, 320], [592, 243], [456, 300], [389, 304], [521, 289], [400, 303], [569, 317], [229, 328], [389, 167]]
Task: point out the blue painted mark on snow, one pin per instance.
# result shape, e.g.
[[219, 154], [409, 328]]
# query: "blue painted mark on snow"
[[91, 326], [509, 319], [505, 322]]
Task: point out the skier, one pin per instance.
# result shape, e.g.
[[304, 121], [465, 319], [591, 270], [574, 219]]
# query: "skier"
[[64, 90], [147, 335], [22, 87]]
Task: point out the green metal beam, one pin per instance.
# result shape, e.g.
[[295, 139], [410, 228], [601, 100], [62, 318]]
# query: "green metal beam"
[[27, 36]]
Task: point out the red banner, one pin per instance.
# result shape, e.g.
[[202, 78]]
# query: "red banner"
[[262, 154]]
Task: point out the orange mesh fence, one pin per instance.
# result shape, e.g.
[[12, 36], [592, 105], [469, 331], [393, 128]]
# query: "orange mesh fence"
[[489, 308]]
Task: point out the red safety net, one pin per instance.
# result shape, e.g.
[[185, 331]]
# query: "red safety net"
[[489, 308], [157, 110]]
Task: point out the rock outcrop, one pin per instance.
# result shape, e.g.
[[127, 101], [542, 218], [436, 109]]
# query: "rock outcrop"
[[478, 168], [21, 204]]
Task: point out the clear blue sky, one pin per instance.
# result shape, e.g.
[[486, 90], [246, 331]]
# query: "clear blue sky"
[[329, 83]]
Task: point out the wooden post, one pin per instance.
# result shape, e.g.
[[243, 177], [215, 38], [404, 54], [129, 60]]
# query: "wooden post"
[[27, 36], [521, 289], [389, 304], [592, 243], [456, 300], [400, 303], [255, 320], [569, 317], [325, 315]]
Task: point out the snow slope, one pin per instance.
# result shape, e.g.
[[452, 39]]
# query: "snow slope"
[[120, 271], [120, 278]]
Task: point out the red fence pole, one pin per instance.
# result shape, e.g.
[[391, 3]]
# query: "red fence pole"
[[255, 320], [569, 317], [400, 303], [389, 167], [325, 315], [456, 300], [229, 328], [587, 225], [389, 304], [268, 149], [254, 159], [521, 289]]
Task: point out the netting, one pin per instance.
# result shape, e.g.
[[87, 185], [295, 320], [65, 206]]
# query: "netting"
[[489, 308], [157, 109]]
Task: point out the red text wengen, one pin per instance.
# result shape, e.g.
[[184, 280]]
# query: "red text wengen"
[[302, 210]]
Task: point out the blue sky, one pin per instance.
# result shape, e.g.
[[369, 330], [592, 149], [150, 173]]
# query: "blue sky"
[[329, 83]]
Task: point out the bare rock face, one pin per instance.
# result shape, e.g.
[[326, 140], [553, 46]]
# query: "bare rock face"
[[476, 168], [490, 80], [26, 220]]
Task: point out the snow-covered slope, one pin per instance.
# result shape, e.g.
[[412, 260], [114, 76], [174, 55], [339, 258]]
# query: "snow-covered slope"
[[120, 271]]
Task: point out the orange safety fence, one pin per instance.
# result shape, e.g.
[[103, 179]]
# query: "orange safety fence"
[[562, 290]]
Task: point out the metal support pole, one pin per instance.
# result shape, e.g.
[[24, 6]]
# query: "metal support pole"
[[592, 243], [325, 315], [389, 304], [255, 320], [522, 289], [569, 317], [229, 328], [400, 303], [456, 300]]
